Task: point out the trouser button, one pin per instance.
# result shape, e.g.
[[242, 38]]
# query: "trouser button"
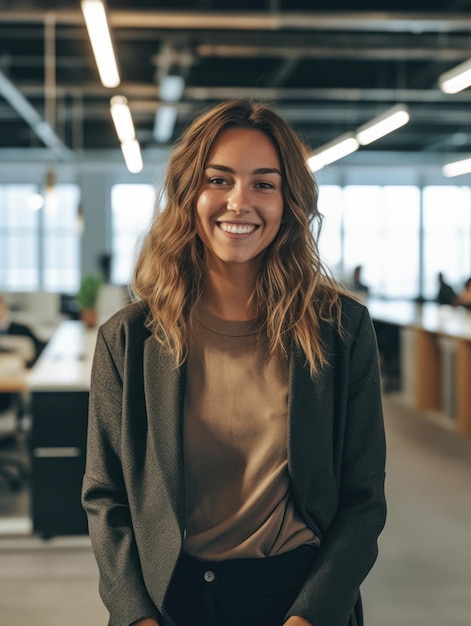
[[209, 576]]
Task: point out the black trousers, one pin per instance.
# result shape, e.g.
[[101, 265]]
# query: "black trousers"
[[248, 592]]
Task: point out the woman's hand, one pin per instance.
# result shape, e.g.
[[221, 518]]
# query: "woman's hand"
[[295, 620], [147, 621]]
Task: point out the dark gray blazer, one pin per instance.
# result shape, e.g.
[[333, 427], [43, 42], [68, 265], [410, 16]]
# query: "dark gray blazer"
[[133, 489]]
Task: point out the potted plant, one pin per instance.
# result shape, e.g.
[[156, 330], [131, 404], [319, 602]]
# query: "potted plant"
[[87, 298]]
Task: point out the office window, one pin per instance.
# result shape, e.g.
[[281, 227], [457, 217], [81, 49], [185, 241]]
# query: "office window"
[[132, 207], [330, 239], [446, 236], [381, 233], [39, 245], [61, 253], [19, 227]]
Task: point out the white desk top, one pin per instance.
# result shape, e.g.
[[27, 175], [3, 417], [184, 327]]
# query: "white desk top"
[[65, 364], [435, 318]]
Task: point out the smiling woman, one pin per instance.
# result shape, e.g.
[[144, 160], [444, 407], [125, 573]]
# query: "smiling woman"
[[235, 460]]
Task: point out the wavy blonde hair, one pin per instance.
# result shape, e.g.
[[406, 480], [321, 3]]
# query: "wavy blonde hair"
[[293, 291]]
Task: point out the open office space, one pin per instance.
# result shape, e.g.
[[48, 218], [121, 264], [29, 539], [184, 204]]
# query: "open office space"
[[373, 89]]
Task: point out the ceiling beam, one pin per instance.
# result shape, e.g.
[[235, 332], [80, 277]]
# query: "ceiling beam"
[[144, 90], [144, 110], [417, 22], [434, 42], [288, 53], [374, 53]]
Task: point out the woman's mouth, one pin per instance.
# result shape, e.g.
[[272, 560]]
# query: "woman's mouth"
[[237, 229]]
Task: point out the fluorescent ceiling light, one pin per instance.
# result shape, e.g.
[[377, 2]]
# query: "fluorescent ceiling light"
[[94, 13], [132, 155], [122, 118], [456, 79], [164, 124], [457, 167], [171, 88], [333, 151], [390, 120]]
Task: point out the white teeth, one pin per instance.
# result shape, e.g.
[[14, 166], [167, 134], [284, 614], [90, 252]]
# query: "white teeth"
[[235, 229]]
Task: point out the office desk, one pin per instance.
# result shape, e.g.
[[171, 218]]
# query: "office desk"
[[441, 347], [59, 384]]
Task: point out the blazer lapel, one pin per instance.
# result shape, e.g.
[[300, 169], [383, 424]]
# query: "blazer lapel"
[[164, 393]]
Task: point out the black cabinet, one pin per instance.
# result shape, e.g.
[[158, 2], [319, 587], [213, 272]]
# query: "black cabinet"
[[58, 445]]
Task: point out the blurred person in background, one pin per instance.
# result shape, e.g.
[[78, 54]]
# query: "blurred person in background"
[[358, 284], [446, 294], [9, 327]]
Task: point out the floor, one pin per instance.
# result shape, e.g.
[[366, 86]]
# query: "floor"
[[422, 576]]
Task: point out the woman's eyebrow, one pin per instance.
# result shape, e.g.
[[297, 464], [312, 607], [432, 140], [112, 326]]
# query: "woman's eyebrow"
[[259, 170]]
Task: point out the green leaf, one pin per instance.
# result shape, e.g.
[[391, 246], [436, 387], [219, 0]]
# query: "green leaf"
[[87, 295]]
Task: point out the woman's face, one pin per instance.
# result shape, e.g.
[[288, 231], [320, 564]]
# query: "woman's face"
[[240, 204]]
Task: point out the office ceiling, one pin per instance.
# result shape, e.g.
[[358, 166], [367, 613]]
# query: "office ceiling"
[[328, 69]]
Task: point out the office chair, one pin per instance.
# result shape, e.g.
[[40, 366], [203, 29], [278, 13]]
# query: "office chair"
[[13, 466]]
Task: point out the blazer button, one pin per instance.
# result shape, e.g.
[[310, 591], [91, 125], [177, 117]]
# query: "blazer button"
[[209, 576]]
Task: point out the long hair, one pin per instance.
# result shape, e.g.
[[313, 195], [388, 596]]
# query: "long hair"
[[293, 290]]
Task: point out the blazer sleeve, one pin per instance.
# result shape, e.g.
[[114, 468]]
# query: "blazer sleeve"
[[105, 500], [349, 548]]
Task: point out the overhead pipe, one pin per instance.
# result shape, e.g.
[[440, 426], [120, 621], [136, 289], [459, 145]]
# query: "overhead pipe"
[[41, 128], [419, 22]]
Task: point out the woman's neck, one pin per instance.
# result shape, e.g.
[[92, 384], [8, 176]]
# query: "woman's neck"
[[228, 296]]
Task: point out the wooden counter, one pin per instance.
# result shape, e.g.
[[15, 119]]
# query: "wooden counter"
[[437, 330]]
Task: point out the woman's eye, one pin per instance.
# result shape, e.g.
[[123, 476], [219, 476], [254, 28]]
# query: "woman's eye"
[[217, 181], [263, 185]]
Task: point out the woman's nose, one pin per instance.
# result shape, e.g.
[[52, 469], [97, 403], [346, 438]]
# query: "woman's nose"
[[238, 200]]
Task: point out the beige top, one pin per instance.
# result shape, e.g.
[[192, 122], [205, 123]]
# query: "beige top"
[[238, 497]]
